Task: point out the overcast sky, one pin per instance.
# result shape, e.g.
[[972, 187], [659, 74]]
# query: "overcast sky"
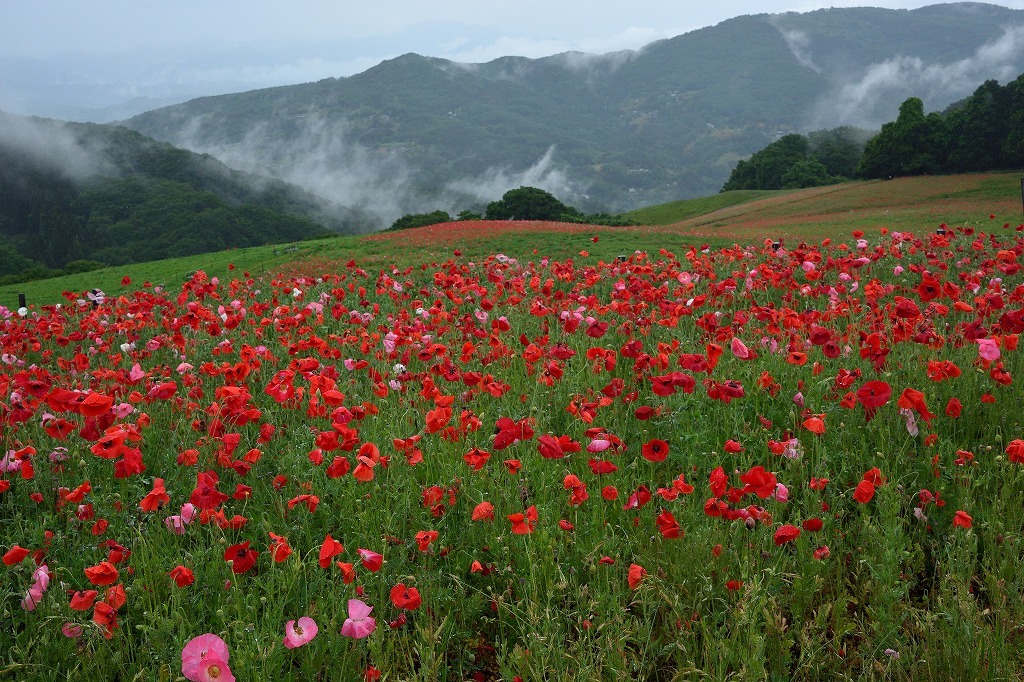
[[64, 56]]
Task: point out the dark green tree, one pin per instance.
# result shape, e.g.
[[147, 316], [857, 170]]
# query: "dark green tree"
[[1012, 152], [766, 168], [529, 203], [978, 129], [838, 149], [807, 173], [411, 220], [910, 145]]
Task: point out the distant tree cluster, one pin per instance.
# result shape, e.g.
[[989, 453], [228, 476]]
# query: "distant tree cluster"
[[525, 203], [983, 132], [823, 157]]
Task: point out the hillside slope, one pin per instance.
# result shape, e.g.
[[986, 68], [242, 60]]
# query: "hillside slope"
[[71, 192]]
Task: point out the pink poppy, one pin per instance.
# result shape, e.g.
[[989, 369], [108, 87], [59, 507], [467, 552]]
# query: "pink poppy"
[[297, 634], [988, 350], [359, 623], [212, 669], [202, 648]]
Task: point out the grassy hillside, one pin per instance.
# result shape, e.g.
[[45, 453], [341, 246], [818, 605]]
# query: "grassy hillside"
[[907, 204], [674, 211]]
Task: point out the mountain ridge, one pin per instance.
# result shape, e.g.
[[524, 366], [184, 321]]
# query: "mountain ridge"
[[604, 132]]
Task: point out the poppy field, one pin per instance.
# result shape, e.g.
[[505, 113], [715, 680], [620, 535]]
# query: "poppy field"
[[783, 460]]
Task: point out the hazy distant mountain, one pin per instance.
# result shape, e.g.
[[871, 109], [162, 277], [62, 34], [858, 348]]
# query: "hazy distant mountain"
[[72, 192], [602, 132]]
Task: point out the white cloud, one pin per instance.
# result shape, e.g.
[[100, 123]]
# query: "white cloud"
[[855, 102], [494, 182]]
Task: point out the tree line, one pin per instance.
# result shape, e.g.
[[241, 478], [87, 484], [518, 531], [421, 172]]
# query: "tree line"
[[524, 203], [980, 133]]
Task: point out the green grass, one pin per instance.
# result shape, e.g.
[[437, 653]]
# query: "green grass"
[[676, 211]]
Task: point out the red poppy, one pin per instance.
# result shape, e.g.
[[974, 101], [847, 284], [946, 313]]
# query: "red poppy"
[[106, 617], [733, 447], [759, 481], [483, 512], [598, 467], [940, 370], [348, 573], [279, 548], [205, 495], [15, 555], [182, 576], [103, 573], [785, 534], [372, 561], [962, 520], [654, 450], [812, 525], [718, 482], [240, 558], [407, 598], [912, 399], [368, 457], [330, 549], [95, 405], [639, 498], [667, 525], [476, 458], [635, 576], [424, 538], [864, 492], [556, 448], [83, 600], [577, 490], [872, 395], [953, 408], [1015, 449], [524, 523]]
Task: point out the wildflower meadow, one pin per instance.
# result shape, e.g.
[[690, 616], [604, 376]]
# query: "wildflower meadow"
[[776, 461]]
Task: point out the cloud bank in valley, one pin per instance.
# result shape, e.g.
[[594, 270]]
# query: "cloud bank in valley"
[[320, 156], [867, 101]]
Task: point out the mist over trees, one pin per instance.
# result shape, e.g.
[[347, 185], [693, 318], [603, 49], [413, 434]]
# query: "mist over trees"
[[983, 132], [75, 197]]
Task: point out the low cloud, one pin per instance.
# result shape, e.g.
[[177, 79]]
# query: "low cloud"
[[800, 45], [320, 156], [872, 99], [615, 47], [52, 145], [585, 61], [494, 182]]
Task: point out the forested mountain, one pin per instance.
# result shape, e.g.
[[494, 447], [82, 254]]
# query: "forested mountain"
[[84, 192], [604, 133]]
